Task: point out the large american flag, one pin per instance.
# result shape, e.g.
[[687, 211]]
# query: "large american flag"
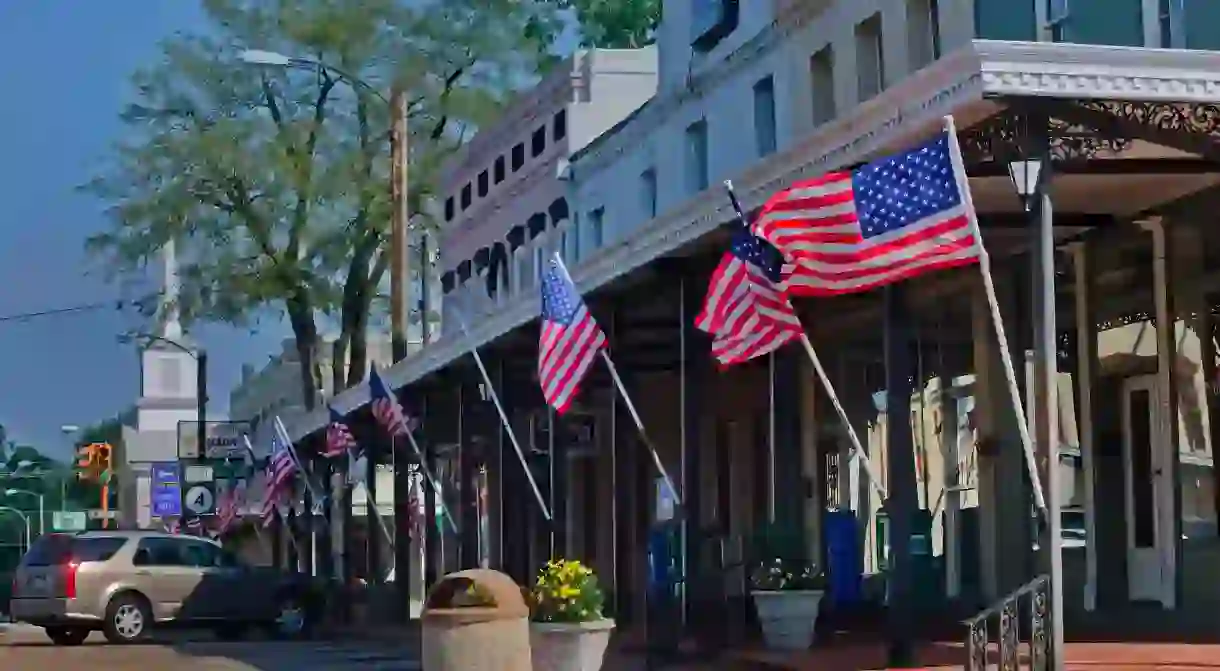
[[339, 438], [281, 468], [385, 406], [889, 220], [746, 309], [570, 337]]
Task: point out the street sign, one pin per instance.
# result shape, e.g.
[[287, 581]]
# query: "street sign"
[[199, 499], [166, 490], [99, 514], [69, 520], [224, 440], [194, 473]]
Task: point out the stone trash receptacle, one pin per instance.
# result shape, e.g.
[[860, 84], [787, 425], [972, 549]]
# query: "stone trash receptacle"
[[476, 620]]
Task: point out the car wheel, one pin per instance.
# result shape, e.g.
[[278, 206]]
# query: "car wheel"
[[230, 632], [128, 618], [291, 620], [67, 635]]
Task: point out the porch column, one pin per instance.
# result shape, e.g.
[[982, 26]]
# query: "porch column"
[[468, 512], [402, 458], [902, 501], [1168, 513], [1085, 378], [432, 529], [694, 369], [1004, 539], [788, 480]]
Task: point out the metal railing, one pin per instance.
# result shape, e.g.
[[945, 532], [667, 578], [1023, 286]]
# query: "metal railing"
[[1030, 604]]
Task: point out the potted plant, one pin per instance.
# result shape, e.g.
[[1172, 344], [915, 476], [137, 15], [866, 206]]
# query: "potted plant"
[[567, 629], [787, 595]]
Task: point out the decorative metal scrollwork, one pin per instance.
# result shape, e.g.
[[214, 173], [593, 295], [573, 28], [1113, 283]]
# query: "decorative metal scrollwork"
[[1031, 598], [1192, 118], [1004, 138]]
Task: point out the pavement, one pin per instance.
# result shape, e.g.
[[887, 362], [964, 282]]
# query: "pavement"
[[24, 648]]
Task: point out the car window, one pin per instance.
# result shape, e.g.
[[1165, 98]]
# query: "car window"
[[228, 559], [49, 550], [96, 549], [201, 555], [159, 552]]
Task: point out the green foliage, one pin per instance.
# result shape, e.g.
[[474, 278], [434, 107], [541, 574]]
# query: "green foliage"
[[273, 181], [616, 24], [566, 591]]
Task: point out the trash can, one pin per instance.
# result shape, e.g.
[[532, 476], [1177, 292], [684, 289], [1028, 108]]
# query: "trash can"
[[476, 620]]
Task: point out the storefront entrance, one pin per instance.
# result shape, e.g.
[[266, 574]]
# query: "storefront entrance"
[[1149, 493]]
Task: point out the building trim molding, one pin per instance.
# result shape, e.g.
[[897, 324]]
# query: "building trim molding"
[[963, 83]]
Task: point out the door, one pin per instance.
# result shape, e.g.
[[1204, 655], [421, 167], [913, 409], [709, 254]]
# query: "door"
[[163, 573], [1147, 491]]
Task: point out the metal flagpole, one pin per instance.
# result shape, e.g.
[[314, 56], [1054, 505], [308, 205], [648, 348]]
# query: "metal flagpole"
[[997, 321], [856, 446], [495, 399], [292, 452], [627, 402], [423, 467]]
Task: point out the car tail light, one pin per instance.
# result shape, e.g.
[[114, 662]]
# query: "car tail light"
[[70, 579]]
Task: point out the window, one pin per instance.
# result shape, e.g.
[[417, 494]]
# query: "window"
[[97, 548], [923, 32], [483, 184], [466, 196], [518, 156], [450, 210], [597, 224], [538, 142], [648, 192], [822, 78], [764, 116], [159, 552], [559, 129], [1117, 22], [499, 170], [697, 172], [563, 247], [870, 58], [538, 262]]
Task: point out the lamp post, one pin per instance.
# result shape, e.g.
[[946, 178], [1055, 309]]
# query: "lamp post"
[[42, 520], [1031, 178], [24, 518]]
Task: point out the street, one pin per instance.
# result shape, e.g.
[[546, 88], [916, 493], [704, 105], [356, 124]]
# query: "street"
[[25, 648]]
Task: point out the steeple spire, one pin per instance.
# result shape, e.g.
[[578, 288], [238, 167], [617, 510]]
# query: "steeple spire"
[[168, 314]]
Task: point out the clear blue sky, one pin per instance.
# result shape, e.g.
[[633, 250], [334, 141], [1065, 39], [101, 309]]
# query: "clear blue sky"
[[64, 68]]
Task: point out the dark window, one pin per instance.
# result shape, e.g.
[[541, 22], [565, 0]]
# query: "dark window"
[[483, 184], [49, 550], [518, 156], [764, 116], [466, 198], [449, 209], [202, 554], [538, 142], [499, 170], [560, 129], [96, 549], [159, 552], [1143, 507]]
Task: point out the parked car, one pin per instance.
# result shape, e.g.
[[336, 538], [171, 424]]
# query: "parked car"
[[123, 583]]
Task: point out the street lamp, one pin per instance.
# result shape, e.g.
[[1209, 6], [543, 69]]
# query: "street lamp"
[[42, 521], [25, 518], [1026, 176], [277, 60]]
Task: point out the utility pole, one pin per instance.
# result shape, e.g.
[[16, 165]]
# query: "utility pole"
[[398, 223]]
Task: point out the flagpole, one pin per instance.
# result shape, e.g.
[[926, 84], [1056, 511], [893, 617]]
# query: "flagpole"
[[630, 405], [495, 399], [997, 320], [423, 467], [852, 437], [292, 452]]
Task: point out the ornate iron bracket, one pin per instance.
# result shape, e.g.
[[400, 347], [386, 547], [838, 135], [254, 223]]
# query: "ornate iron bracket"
[[1004, 137]]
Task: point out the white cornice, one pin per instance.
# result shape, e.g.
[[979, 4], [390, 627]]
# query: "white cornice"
[[959, 83]]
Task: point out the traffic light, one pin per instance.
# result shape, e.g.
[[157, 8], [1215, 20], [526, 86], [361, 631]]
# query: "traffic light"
[[94, 462]]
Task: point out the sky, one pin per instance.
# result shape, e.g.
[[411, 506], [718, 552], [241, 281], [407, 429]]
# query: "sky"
[[64, 67]]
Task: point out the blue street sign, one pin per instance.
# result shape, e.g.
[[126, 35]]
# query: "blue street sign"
[[166, 490]]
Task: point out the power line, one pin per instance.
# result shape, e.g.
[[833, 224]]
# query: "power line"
[[56, 312]]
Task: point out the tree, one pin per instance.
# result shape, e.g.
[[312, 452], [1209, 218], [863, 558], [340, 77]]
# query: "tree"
[[274, 181], [615, 24]]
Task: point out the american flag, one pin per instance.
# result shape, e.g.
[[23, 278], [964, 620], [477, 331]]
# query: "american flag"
[[892, 219], [281, 468], [746, 309], [229, 507], [173, 526], [385, 407], [570, 338], [339, 438]]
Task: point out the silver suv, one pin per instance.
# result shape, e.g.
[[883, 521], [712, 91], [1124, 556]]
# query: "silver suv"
[[125, 582]]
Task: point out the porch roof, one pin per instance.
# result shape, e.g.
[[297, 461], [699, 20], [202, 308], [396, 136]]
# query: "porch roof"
[[968, 83]]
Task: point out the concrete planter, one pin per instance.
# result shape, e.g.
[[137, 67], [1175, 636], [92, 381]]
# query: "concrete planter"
[[788, 618], [577, 646]]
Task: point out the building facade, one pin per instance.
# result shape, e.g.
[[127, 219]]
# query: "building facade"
[[505, 196], [1119, 385]]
